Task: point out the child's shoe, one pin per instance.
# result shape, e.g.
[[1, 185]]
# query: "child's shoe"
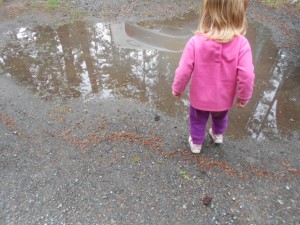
[[217, 138], [194, 148]]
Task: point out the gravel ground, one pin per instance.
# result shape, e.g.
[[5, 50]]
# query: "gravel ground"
[[123, 162]]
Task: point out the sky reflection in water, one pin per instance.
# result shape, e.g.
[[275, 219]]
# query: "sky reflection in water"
[[138, 61]]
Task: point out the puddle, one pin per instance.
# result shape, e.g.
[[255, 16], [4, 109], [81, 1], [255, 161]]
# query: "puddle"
[[138, 61]]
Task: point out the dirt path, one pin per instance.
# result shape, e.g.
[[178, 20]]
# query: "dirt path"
[[122, 161]]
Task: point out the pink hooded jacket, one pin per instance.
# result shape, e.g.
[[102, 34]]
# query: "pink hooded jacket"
[[217, 71]]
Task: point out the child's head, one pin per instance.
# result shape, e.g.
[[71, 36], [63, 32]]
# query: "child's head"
[[221, 20]]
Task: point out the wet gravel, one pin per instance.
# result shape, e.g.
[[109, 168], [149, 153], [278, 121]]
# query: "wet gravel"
[[136, 9], [123, 162], [112, 162]]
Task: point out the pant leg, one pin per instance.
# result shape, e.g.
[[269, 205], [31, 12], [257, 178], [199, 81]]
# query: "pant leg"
[[198, 120], [219, 122]]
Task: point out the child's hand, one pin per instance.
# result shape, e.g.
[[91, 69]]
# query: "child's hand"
[[177, 95], [242, 103]]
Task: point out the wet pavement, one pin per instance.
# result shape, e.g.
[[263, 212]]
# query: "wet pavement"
[[137, 61], [90, 134]]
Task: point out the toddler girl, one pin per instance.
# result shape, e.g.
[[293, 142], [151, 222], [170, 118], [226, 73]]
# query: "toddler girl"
[[218, 61]]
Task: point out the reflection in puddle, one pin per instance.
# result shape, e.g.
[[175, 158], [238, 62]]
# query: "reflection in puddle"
[[138, 61], [265, 111], [131, 36]]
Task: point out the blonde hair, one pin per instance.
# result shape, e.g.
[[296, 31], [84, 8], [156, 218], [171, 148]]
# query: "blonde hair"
[[222, 20]]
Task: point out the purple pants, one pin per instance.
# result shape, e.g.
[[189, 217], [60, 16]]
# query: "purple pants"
[[198, 120]]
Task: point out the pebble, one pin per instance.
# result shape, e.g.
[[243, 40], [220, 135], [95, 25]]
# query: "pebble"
[[280, 202]]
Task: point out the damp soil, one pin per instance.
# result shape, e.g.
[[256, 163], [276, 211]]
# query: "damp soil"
[[90, 133]]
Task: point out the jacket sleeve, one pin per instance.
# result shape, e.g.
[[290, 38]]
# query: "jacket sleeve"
[[185, 68], [245, 72]]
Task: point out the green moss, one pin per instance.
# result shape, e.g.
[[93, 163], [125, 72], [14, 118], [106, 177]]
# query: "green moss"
[[53, 4], [184, 174], [136, 160], [44, 5]]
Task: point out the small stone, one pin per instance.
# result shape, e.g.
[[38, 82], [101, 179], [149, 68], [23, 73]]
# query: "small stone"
[[157, 118], [207, 200], [184, 206], [280, 202], [288, 188]]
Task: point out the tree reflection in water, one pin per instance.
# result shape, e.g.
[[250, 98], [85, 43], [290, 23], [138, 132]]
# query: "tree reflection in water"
[[130, 61]]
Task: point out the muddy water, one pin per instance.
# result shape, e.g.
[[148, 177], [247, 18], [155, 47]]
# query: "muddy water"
[[138, 61]]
